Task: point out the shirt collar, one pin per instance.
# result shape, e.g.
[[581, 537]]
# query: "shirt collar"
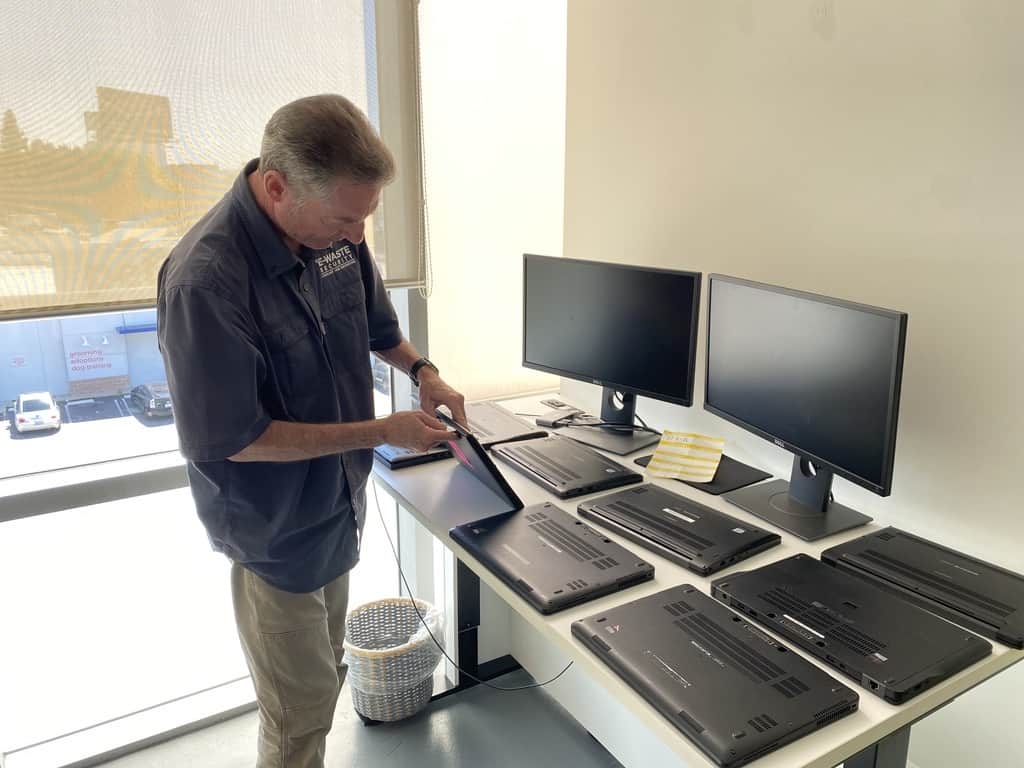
[[270, 247]]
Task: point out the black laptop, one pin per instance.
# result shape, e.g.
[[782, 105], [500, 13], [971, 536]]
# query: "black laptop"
[[490, 424], [550, 558], [471, 455], [727, 686], [564, 467], [695, 536], [887, 645], [980, 596]]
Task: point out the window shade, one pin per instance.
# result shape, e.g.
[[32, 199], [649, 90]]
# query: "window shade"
[[123, 123]]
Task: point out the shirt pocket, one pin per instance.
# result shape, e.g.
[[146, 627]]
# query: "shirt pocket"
[[347, 335], [297, 359]]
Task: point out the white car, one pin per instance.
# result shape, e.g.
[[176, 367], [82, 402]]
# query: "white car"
[[34, 411]]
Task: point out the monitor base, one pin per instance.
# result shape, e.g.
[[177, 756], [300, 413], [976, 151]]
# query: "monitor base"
[[619, 443], [731, 474], [771, 502]]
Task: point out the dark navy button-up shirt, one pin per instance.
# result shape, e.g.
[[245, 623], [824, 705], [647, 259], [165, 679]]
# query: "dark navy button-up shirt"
[[249, 333]]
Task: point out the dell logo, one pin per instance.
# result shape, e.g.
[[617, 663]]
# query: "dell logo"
[[779, 443]]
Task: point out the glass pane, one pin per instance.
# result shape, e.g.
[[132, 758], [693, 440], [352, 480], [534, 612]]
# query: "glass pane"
[[124, 122]]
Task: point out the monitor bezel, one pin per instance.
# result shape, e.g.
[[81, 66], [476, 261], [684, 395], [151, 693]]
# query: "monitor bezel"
[[691, 364], [895, 384]]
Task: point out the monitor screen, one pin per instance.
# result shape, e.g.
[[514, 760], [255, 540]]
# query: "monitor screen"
[[817, 376], [625, 327]]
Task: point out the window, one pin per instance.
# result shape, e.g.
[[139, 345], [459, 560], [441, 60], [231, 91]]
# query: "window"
[[120, 125]]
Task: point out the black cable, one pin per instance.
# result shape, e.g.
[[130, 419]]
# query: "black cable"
[[613, 426], [440, 647]]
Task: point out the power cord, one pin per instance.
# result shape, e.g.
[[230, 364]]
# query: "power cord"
[[615, 427], [440, 647]]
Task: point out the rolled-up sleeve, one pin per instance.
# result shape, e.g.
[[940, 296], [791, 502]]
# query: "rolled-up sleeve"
[[215, 365], [381, 320]]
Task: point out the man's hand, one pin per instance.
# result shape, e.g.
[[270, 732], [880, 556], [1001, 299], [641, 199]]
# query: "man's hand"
[[415, 430], [434, 392]]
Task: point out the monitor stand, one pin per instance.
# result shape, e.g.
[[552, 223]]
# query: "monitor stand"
[[803, 506], [618, 437]]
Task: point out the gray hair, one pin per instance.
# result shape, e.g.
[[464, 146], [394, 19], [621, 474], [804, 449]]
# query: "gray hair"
[[317, 141]]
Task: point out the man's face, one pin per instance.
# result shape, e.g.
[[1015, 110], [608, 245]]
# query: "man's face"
[[317, 223]]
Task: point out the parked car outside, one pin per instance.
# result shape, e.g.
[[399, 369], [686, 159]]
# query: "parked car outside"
[[153, 399], [34, 411]]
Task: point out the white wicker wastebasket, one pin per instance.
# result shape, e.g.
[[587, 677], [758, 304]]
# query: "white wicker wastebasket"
[[391, 658]]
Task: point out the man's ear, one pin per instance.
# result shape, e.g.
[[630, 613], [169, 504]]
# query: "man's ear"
[[275, 186]]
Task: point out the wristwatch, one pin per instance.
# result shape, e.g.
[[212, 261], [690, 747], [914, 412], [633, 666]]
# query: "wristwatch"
[[415, 369]]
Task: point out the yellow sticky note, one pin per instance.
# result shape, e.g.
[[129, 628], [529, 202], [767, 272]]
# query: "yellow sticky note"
[[687, 456]]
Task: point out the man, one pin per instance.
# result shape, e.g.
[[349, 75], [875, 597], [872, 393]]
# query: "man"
[[267, 312]]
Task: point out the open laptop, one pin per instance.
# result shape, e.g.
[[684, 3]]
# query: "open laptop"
[[564, 467], [490, 424], [887, 645], [732, 690], [550, 558], [980, 596], [695, 536], [471, 455]]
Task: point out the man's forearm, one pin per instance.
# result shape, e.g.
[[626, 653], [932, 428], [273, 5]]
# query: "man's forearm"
[[401, 357], [292, 441]]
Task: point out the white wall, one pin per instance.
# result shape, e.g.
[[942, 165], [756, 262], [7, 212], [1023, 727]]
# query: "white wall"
[[494, 115], [868, 150]]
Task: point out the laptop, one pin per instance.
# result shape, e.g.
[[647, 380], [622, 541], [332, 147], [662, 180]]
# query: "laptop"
[[488, 421], [729, 688], [888, 646], [471, 455], [492, 424], [551, 559], [696, 537], [980, 596], [564, 467]]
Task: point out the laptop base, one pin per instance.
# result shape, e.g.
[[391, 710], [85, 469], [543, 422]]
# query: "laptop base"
[[772, 503], [731, 475]]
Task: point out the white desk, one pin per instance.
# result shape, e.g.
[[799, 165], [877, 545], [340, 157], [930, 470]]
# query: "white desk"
[[441, 494]]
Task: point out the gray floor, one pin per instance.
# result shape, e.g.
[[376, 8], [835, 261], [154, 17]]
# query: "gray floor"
[[478, 727]]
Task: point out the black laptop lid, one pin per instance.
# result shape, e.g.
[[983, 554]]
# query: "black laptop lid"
[[471, 455], [968, 591], [727, 686], [707, 540], [550, 558], [894, 649]]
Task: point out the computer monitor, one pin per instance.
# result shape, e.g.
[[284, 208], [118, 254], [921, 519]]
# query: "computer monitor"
[[630, 329], [817, 376]]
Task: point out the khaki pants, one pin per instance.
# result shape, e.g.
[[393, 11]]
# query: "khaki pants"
[[293, 646]]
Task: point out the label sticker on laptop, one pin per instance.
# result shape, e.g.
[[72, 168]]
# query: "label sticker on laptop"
[[687, 456]]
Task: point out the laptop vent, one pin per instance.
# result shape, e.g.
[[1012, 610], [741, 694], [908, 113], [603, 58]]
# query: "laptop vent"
[[661, 524], [605, 563], [762, 723], [885, 536], [534, 517], [953, 590], [831, 627], [562, 537], [833, 713], [785, 601], [790, 687], [576, 584], [678, 608], [692, 724], [532, 455], [718, 640]]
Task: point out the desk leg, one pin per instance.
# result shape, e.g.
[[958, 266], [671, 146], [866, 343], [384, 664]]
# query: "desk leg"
[[467, 627], [890, 752]]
